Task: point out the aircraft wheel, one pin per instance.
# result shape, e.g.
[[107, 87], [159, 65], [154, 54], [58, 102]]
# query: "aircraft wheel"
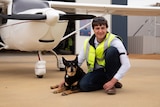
[[39, 76]]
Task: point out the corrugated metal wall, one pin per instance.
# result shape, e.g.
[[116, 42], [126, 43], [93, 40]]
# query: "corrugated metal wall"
[[144, 45], [135, 44]]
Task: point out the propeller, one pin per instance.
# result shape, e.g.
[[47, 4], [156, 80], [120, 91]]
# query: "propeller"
[[43, 17], [4, 18], [24, 16], [75, 16]]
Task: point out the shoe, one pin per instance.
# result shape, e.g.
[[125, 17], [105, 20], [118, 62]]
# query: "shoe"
[[111, 91], [118, 85]]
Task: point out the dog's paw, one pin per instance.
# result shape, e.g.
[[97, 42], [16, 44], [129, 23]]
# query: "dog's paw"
[[55, 92], [64, 94], [67, 92], [53, 87]]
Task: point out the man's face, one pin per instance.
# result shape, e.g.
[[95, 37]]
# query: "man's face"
[[100, 32]]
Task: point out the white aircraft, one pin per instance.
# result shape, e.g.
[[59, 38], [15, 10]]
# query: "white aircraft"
[[39, 25]]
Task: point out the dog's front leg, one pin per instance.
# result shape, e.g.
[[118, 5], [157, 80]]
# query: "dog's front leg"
[[59, 90], [67, 92]]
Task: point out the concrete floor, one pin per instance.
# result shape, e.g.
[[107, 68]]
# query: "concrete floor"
[[19, 87]]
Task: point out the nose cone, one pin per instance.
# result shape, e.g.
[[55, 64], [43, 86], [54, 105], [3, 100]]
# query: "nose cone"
[[52, 17]]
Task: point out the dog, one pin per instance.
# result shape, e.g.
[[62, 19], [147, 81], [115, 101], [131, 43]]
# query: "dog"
[[73, 74]]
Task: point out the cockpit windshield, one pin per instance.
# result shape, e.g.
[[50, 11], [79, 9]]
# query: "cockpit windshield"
[[22, 5]]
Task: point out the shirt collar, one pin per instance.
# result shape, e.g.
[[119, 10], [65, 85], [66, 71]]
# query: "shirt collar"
[[96, 43]]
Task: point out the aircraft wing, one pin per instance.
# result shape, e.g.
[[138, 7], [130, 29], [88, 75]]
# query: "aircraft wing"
[[123, 10]]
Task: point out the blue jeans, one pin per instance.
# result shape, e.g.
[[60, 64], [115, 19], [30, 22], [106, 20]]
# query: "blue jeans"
[[96, 79]]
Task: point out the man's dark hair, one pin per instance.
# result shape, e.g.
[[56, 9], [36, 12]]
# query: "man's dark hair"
[[98, 21]]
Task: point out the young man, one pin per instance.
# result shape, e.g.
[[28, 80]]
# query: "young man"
[[106, 59]]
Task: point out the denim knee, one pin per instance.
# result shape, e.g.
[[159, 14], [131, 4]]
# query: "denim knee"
[[83, 86]]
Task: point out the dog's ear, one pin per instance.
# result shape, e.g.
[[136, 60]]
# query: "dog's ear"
[[64, 61], [76, 59]]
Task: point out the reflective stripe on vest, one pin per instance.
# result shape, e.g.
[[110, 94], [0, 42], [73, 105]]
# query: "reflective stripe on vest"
[[97, 54]]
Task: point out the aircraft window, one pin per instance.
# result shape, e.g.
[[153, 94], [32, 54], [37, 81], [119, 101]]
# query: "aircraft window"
[[22, 5]]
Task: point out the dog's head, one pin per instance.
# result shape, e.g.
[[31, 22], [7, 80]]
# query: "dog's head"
[[70, 66]]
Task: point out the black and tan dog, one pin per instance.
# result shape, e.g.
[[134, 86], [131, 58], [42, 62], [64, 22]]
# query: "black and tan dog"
[[73, 74]]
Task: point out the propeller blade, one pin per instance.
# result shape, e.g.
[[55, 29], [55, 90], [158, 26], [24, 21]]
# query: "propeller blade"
[[24, 16], [75, 16]]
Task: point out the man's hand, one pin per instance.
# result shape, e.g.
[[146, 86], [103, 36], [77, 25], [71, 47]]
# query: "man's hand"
[[61, 84], [108, 85]]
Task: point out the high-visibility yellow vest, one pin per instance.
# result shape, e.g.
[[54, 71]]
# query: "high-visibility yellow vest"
[[97, 54]]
